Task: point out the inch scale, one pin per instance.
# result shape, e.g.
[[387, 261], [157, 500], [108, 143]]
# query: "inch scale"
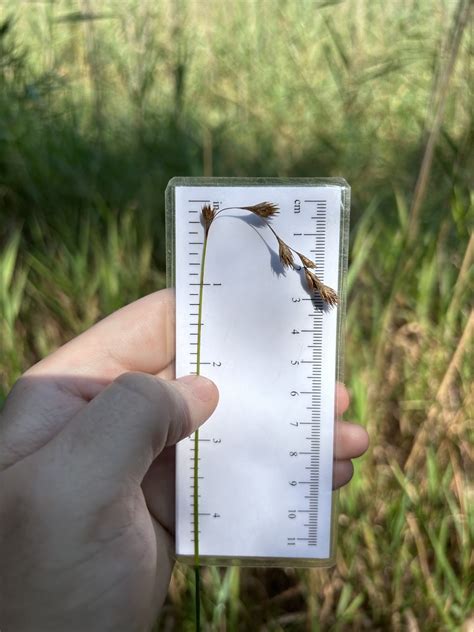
[[265, 455]]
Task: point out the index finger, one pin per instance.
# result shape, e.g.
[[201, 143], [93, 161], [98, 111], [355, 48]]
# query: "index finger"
[[342, 399]]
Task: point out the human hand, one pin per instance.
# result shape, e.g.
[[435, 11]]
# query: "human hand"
[[87, 475], [86, 507]]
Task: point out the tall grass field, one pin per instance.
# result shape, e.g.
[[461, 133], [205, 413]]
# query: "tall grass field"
[[101, 103]]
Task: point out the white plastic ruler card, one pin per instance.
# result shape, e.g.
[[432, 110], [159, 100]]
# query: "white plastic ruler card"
[[266, 454]]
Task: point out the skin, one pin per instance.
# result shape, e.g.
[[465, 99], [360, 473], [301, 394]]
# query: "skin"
[[87, 475]]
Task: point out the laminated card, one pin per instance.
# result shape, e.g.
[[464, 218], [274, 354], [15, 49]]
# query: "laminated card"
[[254, 485]]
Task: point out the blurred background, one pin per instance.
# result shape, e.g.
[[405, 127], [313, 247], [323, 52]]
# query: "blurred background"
[[101, 103]]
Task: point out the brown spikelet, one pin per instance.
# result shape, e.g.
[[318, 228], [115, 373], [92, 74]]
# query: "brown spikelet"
[[307, 263], [328, 295], [208, 215], [311, 279], [285, 254], [263, 209]]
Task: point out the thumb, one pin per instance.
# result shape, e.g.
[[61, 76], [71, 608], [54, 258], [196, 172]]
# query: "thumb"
[[122, 430]]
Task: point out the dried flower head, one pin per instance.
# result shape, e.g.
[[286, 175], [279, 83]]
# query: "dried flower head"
[[328, 295], [307, 263], [286, 256], [311, 279], [208, 215], [266, 210], [263, 209]]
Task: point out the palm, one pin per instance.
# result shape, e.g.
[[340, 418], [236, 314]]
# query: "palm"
[[128, 525]]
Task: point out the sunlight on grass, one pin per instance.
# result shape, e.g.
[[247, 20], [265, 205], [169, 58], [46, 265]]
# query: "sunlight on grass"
[[99, 110]]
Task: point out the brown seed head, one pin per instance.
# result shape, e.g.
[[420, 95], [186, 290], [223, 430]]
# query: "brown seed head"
[[328, 295], [311, 279], [208, 215], [307, 263], [285, 254], [263, 209]]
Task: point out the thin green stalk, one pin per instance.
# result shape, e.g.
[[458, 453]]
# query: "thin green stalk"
[[196, 446]]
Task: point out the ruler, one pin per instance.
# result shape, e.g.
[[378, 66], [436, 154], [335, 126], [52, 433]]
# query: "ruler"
[[266, 455]]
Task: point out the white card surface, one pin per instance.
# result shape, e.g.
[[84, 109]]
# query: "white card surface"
[[266, 454]]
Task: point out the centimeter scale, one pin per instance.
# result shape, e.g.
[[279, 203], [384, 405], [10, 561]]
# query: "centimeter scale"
[[274, 349]]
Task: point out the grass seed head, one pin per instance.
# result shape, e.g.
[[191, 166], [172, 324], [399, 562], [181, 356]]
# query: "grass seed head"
[[263, 209], [328, 295], [311, 279], [208, 215], [286, 256], [307, 263]]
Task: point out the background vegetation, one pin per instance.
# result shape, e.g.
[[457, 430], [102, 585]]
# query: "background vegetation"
[[102, 103]]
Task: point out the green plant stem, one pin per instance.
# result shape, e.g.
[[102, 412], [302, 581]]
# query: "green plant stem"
[[197, 588], [196, 445]]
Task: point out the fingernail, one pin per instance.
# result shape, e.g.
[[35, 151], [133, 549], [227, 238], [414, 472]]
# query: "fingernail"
[[201, 387]]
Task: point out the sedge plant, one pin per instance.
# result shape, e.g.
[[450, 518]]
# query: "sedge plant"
[[264, 210]]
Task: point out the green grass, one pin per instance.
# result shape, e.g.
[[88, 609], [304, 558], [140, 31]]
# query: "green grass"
[[99, 109]]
